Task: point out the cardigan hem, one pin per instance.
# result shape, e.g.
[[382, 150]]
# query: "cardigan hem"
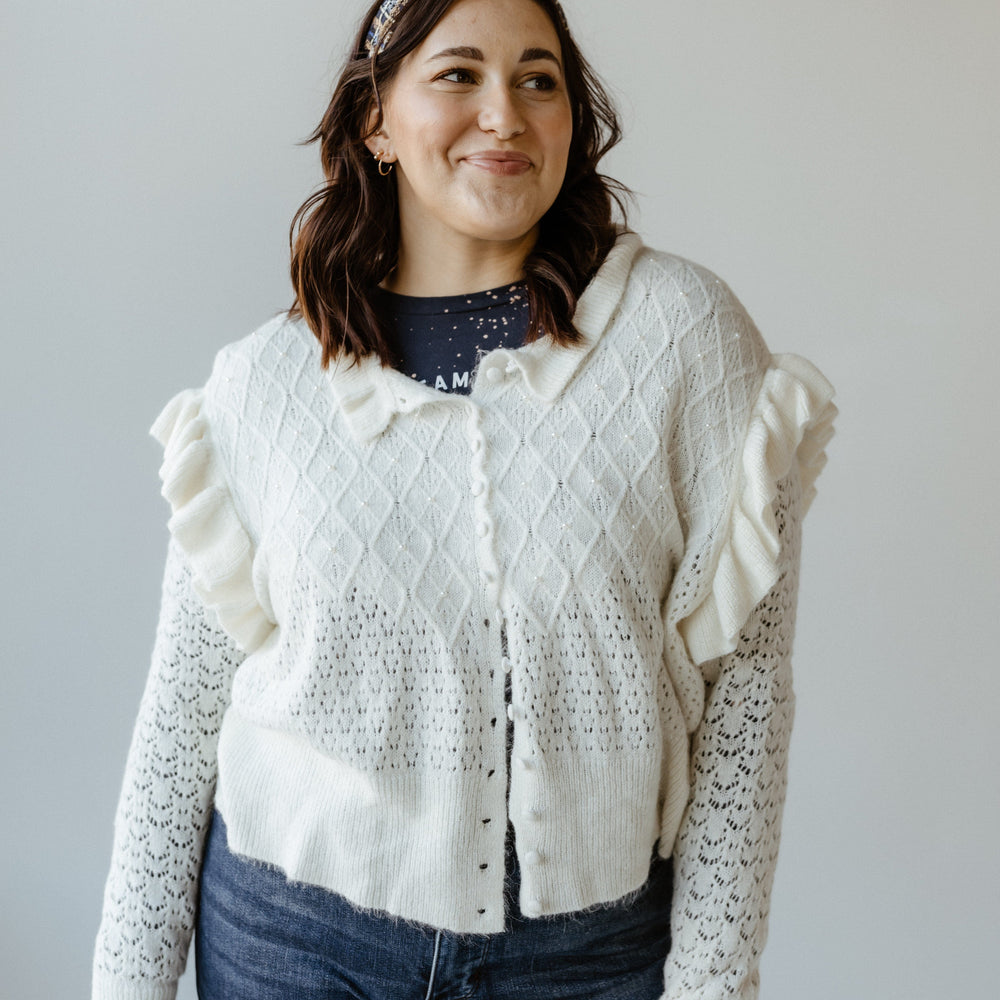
[[591, 823]]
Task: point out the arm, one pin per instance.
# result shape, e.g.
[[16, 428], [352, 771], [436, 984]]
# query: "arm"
[[166, 799], [727, 846]]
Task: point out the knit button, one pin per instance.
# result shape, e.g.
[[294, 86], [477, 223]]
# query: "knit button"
[[510, 712], [533, 907], [476, 445], [506, 664], [482, 529], [532, 857], [477, 487], [494, 374]]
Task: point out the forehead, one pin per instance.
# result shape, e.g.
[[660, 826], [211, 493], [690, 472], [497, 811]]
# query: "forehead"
[[494, 23]]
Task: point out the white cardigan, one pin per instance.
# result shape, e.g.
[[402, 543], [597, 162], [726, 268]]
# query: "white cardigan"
[[351, 554]]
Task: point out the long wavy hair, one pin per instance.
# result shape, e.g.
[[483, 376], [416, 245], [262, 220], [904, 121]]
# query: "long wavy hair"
[[345, 237]]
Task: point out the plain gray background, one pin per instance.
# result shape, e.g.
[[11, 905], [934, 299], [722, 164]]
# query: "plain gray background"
[[836, 163]]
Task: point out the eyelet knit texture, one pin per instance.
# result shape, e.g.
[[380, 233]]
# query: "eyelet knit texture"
[[624, 513]]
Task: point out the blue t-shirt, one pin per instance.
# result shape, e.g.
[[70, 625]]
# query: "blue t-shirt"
[[441, 338]]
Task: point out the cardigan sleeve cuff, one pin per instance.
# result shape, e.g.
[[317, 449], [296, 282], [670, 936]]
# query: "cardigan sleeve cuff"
[[204, 520], [105, 986], [790, 425]]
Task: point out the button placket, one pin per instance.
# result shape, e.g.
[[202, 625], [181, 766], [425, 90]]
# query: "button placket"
[[483, 522], [523, 794], [496, 366], [492, 823]]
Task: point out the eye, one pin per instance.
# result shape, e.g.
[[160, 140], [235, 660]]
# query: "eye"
[[457, 74], [541, 81]]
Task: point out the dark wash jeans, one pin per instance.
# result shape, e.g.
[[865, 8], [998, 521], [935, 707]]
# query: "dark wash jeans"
[[260, 937]]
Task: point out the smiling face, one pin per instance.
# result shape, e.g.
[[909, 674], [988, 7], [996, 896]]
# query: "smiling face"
[[478, 123]]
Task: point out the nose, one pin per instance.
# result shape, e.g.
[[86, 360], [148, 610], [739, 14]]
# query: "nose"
[[500, 113]]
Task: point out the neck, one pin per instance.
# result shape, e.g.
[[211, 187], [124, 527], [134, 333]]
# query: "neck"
[[456, 266]]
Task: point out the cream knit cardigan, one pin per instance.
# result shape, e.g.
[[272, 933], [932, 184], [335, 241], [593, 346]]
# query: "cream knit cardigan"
[[352, 553]]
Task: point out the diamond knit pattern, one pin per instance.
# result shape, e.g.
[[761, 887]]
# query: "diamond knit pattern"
[[619, 518]]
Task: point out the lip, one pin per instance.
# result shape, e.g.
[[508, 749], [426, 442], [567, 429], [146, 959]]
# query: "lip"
[[500, 161]]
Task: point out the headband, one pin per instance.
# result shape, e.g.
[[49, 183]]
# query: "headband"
[[385, 18], [382, 25]]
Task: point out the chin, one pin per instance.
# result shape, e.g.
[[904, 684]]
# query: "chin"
[[500, 233], [500, 227], [499, 217]]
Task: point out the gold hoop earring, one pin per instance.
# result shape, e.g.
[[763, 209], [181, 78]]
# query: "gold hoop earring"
[[378, 160]]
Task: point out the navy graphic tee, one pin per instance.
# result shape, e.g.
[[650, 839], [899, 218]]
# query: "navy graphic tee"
[[440, 339]]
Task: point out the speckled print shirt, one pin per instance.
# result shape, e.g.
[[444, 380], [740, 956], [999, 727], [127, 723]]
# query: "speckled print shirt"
[[440, 339]]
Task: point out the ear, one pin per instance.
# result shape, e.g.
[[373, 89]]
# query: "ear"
[[378, 141]]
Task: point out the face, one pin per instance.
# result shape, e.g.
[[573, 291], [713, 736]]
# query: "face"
[[478, 123]]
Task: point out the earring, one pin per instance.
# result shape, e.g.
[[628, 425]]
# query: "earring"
[[378, 160]]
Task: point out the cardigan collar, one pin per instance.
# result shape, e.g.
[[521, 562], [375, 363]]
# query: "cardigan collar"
[[370, 395]]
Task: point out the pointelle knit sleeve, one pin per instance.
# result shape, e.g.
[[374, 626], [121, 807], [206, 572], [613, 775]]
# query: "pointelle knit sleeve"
[[733, 613], [726, 851], [208, 620]]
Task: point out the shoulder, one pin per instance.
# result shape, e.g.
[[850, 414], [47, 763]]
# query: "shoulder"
[[691, 290], [255, 384], [706, 333], [259, 370], [269, 347]]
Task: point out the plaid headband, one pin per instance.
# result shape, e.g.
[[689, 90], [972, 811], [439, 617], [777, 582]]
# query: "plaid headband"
[[382, 24], [385, 18]]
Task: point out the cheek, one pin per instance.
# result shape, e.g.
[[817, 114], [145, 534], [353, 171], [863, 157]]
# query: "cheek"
[[432, 125], [430, 143], [560, 136], [560, 149]]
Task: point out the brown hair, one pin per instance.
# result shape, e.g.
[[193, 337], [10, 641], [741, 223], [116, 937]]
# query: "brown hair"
[[345, 236]]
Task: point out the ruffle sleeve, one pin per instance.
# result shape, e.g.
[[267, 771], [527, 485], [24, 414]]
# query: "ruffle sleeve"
[[791, 422], [204, 520]]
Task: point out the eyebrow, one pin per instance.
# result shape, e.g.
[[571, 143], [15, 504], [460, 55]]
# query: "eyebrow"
[[469, 52]]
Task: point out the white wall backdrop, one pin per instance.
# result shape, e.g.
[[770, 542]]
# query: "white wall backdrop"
[[836, 163]]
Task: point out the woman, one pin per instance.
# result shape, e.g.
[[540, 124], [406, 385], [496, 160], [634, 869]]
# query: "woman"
[[472, 673]]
